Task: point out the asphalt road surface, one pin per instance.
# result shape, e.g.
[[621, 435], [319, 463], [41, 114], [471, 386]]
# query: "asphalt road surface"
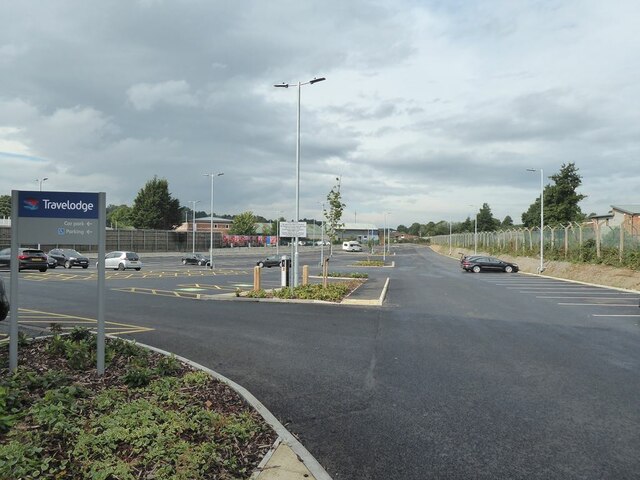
[[458, 375]]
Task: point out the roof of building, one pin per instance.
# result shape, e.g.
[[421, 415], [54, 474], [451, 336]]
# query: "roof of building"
[[358, 226], [630, 209], [215, 219]]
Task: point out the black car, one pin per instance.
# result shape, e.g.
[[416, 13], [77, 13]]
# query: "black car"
[[477, 264], [51, 262], [68, 257], [28, 259], [196, 259], [271, 261], [4, 301]]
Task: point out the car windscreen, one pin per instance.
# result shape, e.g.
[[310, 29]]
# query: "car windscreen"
[[70, 252], [132, 256]]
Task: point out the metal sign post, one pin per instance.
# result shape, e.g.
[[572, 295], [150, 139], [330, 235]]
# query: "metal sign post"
[[76, 218]]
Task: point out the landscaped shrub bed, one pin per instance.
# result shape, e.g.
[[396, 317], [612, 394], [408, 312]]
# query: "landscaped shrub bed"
[[333, 292], [149, 416]]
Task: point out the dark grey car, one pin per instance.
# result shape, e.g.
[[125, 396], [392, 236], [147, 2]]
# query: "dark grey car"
[[28, 259], [4, 301], [68, 257]]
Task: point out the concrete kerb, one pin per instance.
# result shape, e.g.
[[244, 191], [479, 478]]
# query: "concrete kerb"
[[285, 438], [346, 301]]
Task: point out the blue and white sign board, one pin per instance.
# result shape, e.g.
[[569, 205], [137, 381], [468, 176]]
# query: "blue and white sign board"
[[58, 217]]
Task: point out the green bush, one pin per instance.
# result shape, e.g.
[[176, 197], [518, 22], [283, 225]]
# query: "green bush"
[[138, 377]]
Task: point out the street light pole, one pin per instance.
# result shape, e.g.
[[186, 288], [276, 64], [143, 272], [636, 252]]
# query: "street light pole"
[[296, 238], [322, 237], [541, 268], [40, 181], [193, 228], [384, 234], [212, 175]]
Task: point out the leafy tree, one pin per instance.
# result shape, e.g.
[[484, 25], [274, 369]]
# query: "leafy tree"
[[467, 225], [414, 229], [5, 206], [560, 200], [402, 229], [334, 214], [274, 225], [243, 224], [507, 222], [119, 216], [486, 220], [154, 207]]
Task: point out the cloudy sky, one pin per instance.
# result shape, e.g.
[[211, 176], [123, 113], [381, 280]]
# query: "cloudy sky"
[[430, 107]]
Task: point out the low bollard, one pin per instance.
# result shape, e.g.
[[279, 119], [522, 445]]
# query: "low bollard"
[[256, 278]]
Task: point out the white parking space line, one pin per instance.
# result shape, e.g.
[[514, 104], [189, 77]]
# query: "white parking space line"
[[613, 315], [597, 304], [592, 296]]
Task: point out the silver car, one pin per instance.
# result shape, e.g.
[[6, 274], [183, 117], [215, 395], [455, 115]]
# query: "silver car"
[[122, 261]]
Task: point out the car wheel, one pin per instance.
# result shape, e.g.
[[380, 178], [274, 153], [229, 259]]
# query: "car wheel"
[[508, 269], [53, 266], [85, 266], [67, 264], [261, 264], [138, 269], [43, 269], [121, 266], [184, 262], [476, 269]]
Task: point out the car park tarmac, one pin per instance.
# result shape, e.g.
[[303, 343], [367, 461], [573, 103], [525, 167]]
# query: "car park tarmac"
[[487, 375]]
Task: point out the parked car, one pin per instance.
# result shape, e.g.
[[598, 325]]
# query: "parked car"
[[477, 264], [28, 259], [120, 260], [270, 261], [68, 257], [196, 259], [51, 262], [4, 301]]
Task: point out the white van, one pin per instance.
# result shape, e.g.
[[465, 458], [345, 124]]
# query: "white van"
[[351, 246]]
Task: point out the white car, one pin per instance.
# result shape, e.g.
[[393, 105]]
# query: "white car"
[[122, 261]]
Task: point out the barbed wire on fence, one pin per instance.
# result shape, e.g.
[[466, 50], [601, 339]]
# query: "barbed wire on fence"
[[595, 241]]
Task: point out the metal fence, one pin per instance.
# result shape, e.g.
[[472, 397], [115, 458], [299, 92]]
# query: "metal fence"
[[138, 241], [592, 242]]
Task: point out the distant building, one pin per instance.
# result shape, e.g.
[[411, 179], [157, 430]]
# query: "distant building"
[[363, 232], [626, 216], [203, 224]]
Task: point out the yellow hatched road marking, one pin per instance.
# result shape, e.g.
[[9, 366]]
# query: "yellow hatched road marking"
[[38, 317]]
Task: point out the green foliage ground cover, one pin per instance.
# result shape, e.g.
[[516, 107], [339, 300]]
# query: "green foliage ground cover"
[[149, 416], [333, 292]]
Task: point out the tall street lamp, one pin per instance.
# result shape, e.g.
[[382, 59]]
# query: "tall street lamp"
[[193, 228], [475, 234], [541, 268], [322, 237], [296, 239], [41, 180], [212, 175]]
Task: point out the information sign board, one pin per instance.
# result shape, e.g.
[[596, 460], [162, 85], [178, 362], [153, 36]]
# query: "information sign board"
[[58, 217], [293, 229]]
